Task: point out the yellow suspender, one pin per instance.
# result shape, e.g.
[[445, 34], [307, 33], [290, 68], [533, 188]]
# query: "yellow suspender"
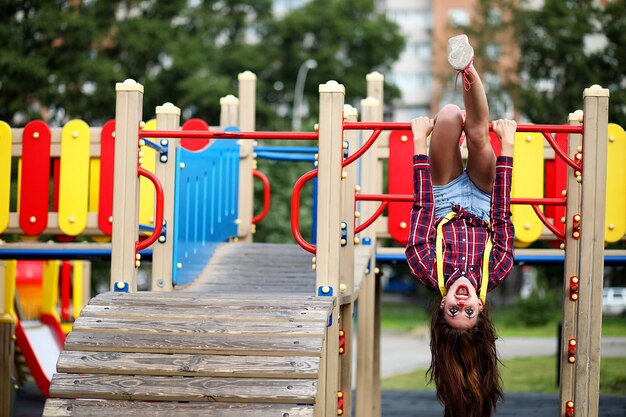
[[439, 254]]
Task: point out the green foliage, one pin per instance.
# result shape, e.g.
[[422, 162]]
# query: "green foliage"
[[538, 309], [555, 63], [61, 59]]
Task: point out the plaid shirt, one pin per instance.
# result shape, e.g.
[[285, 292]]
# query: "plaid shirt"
[[464, 236]]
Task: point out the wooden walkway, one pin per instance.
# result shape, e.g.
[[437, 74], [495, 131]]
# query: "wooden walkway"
[[245, 339]]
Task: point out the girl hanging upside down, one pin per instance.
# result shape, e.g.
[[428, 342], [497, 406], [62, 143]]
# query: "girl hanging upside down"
[[461, 239]]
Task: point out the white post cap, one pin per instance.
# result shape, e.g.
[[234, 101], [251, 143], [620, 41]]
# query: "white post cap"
[[129, 85], [167, 108], [375, 76], [596, 91], [332, 86], [246, 75], [229, 99]]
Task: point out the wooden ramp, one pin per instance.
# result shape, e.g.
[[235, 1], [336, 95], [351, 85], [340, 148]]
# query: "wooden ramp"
[[202, 351]]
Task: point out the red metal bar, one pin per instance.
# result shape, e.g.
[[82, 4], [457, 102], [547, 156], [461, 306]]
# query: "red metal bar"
[[201, 134], [384, 197], [407, 126], [409, 198], [549, 225], [266, 196], [561, 153], [158, 223], [295, 211], [540, 201], [372, 219], [362, 149]]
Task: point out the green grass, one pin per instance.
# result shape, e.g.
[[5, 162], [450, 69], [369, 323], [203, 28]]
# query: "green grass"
[[408, 317], [526, 375]]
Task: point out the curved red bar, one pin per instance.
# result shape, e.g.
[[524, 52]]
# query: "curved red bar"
[[562, 154], [266, 196], [158, 223], [362, 149], [372, 219], [295, 211], [549, 225]]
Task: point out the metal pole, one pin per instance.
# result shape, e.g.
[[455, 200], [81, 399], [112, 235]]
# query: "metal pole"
[[298, 93]]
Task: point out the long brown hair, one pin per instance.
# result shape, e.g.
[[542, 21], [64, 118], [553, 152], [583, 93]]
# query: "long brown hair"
[[464, 366]]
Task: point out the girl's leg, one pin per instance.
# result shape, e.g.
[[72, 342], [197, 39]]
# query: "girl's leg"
[[481, 160], [446, 163]]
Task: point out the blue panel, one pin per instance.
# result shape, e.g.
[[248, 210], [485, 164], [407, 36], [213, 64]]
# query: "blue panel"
[[205, 205]]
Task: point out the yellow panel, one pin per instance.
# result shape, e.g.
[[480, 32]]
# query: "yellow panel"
[[74, 178], [77, 288], [5, 174], [50, 284], [146, 193], [528, 172], [615, 225], [8, 290]]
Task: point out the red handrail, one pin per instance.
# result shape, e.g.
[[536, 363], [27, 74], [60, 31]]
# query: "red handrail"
[[561, 153], [158, 223], [204, 134], [359, 152], [295, 211], [549, 225], [372, 219], [266, 196], [407, 126]]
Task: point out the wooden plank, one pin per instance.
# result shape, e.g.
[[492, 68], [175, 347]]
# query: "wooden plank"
[[168, 326], [187, 365], [158, 388], [224, 345], [204, 313], [104, 408], [233, 301]]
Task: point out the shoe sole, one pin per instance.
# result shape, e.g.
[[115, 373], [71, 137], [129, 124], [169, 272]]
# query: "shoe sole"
[[460, 52]]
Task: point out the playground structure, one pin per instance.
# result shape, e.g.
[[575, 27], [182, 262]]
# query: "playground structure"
[[344, 274]]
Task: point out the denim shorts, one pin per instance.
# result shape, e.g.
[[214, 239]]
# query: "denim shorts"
[[463, 192]]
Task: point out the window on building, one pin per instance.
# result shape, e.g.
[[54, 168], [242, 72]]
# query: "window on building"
[[459, 17]]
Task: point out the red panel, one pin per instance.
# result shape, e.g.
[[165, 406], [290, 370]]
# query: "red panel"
[[66, 283], [400, 182], [35, 181], [195, 144], [495, 143], [107, 154]]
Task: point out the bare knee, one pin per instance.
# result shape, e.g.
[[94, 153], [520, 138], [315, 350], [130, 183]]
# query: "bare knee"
[[450, 114]]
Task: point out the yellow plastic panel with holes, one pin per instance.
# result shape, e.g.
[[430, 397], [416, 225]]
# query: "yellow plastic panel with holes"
[[615, 222], [74, 178], [146, 195], [528, 177], [5, 174]]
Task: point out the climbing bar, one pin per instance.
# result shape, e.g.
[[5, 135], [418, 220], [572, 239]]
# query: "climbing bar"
[[372, 219], [547, 223], [407, 126], [359, 152], [266, 196], [562, 154], [295, 211], [203, 134], [159, 210]]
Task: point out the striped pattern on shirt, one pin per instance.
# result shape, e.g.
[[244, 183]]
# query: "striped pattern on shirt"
[[465, 236]]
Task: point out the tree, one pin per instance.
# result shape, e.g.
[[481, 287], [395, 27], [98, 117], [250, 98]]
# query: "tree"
[[558, 59]]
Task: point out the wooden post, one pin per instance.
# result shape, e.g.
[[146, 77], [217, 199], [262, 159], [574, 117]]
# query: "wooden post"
[[596, 105], [229, 111], [247, 100], [329, 223], [168, 118], [368, 363], [346, 262], [376, 89], [572, 254], [128, 113], [7, 336]]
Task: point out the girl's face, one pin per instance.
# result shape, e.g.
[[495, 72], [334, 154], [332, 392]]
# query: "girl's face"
[[461, 305]]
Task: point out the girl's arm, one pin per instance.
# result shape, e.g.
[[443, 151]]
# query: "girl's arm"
[[501, 259], [420, 250]]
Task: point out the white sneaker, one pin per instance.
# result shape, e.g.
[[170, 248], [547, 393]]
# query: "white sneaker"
[[460, 52]]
